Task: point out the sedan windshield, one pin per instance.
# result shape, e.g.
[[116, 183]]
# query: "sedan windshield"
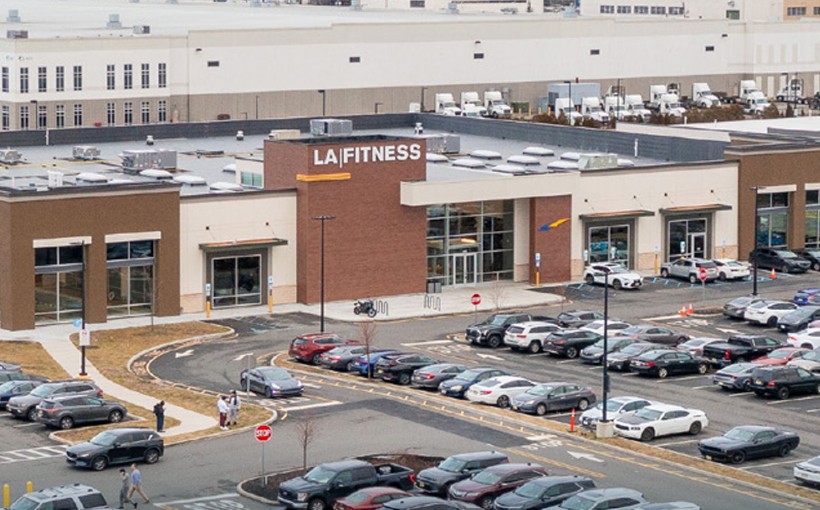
[[319, 475], [274, 374], [487, 477], [779, 354], [577, 503], [739, 434], [452, 465], [647, 414], [540, 390]]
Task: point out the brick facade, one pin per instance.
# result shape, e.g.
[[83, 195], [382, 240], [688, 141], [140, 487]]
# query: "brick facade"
[[554, 244]]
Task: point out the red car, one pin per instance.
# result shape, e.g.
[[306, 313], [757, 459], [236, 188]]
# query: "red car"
[[308, 348], [370, 498], [781, 356], [483, 487]]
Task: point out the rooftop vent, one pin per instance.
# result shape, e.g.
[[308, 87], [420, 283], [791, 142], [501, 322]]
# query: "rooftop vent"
[[13, 17], [120, 180], [16, 34], [510, 169], [231, 168], [91, 178], [142, 29], [571, 156], [538, 151], [469, 163], [597, 161], [331, 127], [55, 179], [10, 156], [563, 165], [482, 154], [524, 160], [284, 134], [443, 143], [190, 180], [625, 163], [225, 187], [432, 157], [160, 175], [85, 152], [113, 21]]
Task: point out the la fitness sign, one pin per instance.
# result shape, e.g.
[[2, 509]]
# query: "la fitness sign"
[[341, 156]]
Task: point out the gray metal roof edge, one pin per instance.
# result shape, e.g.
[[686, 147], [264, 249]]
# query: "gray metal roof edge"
[[237, 195]]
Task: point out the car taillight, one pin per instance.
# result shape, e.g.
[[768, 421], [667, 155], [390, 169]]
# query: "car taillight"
[[99, 393], [521, 336], [560, 342], [50, 411], [426, 375], [412, 477], [727, 355], [771, 384], [485, 392], [650, 363], [334, 358]]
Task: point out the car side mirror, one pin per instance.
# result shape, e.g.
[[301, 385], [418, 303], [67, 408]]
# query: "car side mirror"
[[117, 445]]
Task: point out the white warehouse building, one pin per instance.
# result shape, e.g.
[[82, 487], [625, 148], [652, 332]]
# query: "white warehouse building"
[[104, 62]]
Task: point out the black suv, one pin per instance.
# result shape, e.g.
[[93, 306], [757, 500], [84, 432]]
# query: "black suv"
[[810, 254], [570, 342], [399, 367], [437, 480], [782, 381], [65, 412], [77, 497], [781, 259], [25, 406], [543, 492], [117, 446], [491, 331]]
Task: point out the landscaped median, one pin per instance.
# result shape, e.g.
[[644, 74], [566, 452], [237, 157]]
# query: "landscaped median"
[[112, 351], [617, 447]]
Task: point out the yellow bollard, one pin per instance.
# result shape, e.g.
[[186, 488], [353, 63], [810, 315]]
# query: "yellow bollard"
[[29, 487], [6, 496], [208, 309], [537, 278], [270, 302]]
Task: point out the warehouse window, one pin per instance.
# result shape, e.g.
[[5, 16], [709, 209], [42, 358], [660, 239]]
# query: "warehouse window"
[[42, 79], [624, 9], [42, 116], [6, 118], [641, 9], [146, 76], [24, 117], [128, 76], [213, 63], [5, 79], [162, 75], [110, 113], [252, 179], [145, 112], [733, 14], [128, 113], [710, 48], [78, 114], [110, 77], [78, 77], [594, 52], [796, 11], [24, 80], [607, 9], [162, 110], [478, 56], [355, 60], [60, 115]]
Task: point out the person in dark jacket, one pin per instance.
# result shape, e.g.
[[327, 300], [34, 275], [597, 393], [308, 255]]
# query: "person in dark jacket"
[[159, 412]]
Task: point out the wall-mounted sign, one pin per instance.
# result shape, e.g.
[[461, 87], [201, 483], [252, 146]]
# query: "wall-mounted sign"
[[341, 156]]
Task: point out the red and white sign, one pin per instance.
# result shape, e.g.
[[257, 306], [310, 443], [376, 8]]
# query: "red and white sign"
[[702, 274], [475, 299], [263, 433]]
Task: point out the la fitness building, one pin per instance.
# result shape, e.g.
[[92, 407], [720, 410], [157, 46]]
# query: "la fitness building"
[[394, 221]]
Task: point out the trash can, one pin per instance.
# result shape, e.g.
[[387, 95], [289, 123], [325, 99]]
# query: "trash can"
[[433, 287]]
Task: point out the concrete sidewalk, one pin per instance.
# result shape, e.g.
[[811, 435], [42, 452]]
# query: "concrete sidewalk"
[[451, 301]]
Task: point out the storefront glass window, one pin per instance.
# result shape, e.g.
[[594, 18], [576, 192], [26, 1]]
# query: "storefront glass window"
[[58, 284], [130, 278], [773, 219], [687, 238], [812, 219], [609, 243], [236, 281]]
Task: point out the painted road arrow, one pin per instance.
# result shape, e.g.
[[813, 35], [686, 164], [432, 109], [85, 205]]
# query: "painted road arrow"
[[189, 352], [489, 356], [730, 331], [587, 456], [243, 356]]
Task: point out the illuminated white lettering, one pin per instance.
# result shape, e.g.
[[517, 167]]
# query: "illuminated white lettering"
[[415, 151], [390, 153], [377, 153], [401, 153]]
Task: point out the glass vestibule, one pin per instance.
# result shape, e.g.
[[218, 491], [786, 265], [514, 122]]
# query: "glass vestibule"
[[687, 237], [130, 278], [609, 243], [772, 219]]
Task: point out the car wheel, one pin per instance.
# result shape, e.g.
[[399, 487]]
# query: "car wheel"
[[315, 359], [807, 346], [784, 450], [663, 373], [503, 401], [349, 366], [31, 414], [66, 422], [722, 276], [572, 353], [703, 368], [617, 285], [648, 434], [541, 409], [494, 341], [816, 266], [693, 278], [583, 404], [534, 347], [99, 463], [268, 392], [404, 379], [589, 279], [772, 321], [151, 456], [738, 457], [783, 393], [665, 273], [695, 428], [316, 504], [486, 503], [747, 385], [115, 416]]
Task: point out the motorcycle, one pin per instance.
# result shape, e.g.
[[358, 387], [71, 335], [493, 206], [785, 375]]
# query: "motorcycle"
[[364, 306]]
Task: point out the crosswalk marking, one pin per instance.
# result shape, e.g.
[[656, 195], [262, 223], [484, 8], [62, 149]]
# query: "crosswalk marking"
[[29, 454]]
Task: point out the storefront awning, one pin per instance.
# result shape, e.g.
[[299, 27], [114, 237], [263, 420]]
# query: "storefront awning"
[[706, 208], [238, 245], [616, 215]]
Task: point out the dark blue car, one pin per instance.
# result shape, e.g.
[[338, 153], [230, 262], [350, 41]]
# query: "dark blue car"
[[807, 296], [14, 388], [362, 367], [458, 385]]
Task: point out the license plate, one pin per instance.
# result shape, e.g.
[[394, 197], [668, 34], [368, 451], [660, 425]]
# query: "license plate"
[[514, 408], [443, 391], [380, 371], [708, 457], [421, 484], [759, 382], [713, 360]]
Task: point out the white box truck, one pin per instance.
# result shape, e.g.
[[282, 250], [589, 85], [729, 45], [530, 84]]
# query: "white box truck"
[[495, 105], [445, 105], [471, 105], [615, 107], [635, 107], [591, 109], [565, 106], [702, 96]]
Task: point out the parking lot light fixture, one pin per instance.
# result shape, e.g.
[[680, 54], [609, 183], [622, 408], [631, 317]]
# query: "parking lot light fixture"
[[322, 219], [756, 189]]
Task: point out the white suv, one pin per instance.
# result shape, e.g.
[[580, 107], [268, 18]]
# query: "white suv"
[[619, 276], [529, 335]]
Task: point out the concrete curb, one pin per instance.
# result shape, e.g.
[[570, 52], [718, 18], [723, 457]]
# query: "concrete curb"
[[193, 340]]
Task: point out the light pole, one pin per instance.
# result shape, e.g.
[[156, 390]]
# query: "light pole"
[[257, 109], [83, 336], [322, 91], [322, 219], [570, 106], [757, 233], [606, 347], [422, 99]]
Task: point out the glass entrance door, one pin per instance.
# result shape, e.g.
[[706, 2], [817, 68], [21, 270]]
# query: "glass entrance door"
[[697, 245], [463, 269]]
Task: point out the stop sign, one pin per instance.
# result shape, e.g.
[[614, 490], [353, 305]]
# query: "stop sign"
[[263, 433], [475, 299], [702, 274]]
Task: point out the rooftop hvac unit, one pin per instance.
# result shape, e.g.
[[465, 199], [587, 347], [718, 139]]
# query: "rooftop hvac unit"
[[85, 152], [597, 161], [135, 161], [113, 21], [55, 179], [10, 156], [13, 17], [443, 143], [331, 127], [284, 134], [142, 29], [16, 34]]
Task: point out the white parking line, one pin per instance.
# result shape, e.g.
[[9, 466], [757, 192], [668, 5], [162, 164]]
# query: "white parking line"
[[708, 386], [672, 443], [775, 463], [676, 379], [311, 385], [32, 424], [311, 406], [813, 411], [565, 361], [777, 402], [747, 394], [430, 342], [663, 317]]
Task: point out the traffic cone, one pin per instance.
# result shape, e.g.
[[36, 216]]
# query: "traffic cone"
[[773, 274], [682, 311], [690, 311], [572, 421]]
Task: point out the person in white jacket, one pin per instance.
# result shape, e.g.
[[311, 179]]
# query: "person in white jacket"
[[222, 407]]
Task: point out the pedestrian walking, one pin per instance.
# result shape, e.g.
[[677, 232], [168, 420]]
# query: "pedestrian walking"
[[136, 486], [222, 407], [159, 412], [233, 407], [125, 487]]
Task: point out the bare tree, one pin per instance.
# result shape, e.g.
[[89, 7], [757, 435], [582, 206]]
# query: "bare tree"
[[497, 292], [367, 334], [306, 433]]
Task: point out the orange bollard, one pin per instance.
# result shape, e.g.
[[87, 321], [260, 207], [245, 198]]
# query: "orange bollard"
[[773, 275], [690, 311], [682, 311], [572, 421]]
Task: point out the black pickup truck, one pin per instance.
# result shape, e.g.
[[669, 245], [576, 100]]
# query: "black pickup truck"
[[740, 348], [491, 331], [319, 488]]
